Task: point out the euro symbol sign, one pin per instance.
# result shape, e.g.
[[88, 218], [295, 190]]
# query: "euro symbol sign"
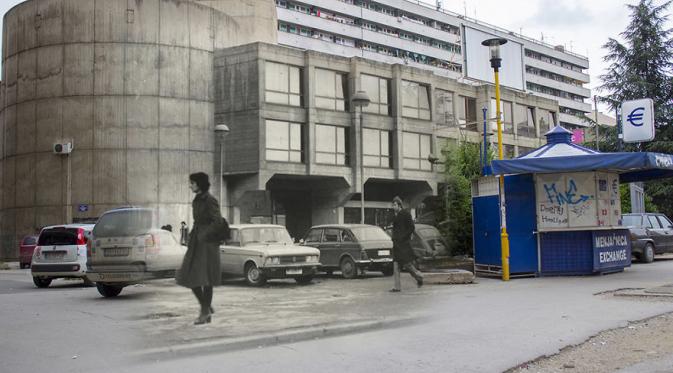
[[636, 117]]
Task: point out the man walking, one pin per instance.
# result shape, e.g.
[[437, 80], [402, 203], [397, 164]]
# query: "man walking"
[[403, 255]]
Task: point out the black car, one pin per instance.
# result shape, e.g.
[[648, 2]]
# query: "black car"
[[651, 234], [351, 248]]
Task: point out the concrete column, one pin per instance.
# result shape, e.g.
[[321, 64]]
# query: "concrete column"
[[396, 102], [355, 129], [308, 90]]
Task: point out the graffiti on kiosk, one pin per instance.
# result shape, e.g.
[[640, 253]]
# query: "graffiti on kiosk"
[[568, 197]]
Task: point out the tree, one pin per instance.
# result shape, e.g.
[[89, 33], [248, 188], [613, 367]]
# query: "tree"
[[642, 66], [462, 165]]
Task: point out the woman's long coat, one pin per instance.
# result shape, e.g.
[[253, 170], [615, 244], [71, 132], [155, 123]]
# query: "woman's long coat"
[[403, 228], [201, 264]]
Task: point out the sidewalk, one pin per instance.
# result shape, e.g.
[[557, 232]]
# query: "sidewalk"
[[490, 326]]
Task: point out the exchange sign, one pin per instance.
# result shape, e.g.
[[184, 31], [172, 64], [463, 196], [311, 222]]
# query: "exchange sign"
[[638, 120]]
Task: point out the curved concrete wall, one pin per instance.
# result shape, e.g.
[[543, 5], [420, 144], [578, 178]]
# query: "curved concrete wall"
[[130, 83]]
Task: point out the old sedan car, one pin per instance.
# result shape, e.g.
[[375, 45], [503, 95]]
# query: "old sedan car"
[[650, 234], [427, 242], [351, 248], [260, 252]]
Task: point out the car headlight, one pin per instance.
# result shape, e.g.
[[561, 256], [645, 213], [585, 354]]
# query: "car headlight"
[[312, 259], [272, 260]]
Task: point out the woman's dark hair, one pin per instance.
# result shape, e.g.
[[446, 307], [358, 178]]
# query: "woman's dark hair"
[[201, 180], [398, 200]]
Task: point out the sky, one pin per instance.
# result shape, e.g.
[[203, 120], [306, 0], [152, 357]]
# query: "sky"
[[581, 26]]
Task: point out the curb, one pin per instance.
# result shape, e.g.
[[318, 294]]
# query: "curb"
[[224, 344]]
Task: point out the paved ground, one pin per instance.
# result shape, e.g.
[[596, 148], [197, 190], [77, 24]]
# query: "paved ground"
[[331, 325]]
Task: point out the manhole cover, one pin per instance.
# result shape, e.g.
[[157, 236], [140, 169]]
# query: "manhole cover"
[[666, 289]]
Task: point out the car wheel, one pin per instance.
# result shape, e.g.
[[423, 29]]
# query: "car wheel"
[[388, 271], [22, 266], [253, 276], [109, 291], [648, 254], [42, 282], [348, 268], [304, 280]]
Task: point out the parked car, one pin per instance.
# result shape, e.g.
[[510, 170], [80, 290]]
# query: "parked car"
[[260, 252], [650, 234], [128, 248], [350, 248], [427, 242], [26, 248], [61, 252]]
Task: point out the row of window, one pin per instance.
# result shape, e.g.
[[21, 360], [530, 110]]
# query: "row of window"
[[553, 92], [384, 29], [553, 76], [368, 46], [284, 86], [394, 12], [285, 142], [553, 61]]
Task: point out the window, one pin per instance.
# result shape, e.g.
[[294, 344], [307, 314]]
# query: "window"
[[284, 141], [664, 221], [345, 236], [508, 151], [331, 145], [378, 90], [377, 145], [416, 151], [329, 90], [444, 115], [654, 223], [313, 236], [331, 235], [467, 112], [415, 101], [525, 121], [546, 120], [506, 110], [283, 84]]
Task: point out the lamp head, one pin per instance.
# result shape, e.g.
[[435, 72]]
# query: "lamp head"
[[494, 49], [360, 98], [222, 129]]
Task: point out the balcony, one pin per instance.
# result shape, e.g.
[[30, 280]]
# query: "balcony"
[[562, 86], [582, 77], [524, 130]]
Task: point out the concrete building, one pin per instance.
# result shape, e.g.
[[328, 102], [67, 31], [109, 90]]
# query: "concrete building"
[[130, 85], [449, 44], [296, 146], [138, 86]]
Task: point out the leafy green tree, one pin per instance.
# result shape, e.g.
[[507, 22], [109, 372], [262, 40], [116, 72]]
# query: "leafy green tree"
[[642, 66], [461, 167]]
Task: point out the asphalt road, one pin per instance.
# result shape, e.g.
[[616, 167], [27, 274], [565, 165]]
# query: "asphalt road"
[[486, 327]]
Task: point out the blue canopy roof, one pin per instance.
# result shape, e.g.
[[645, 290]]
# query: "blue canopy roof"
[[560, 155]]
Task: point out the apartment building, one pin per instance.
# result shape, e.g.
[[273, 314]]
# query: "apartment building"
[[449, 44]]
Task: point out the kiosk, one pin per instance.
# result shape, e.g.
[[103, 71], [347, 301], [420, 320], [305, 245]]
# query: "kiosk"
[[563, 209]]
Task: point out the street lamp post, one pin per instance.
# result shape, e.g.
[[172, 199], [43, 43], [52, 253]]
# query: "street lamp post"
[[221, 131], [361, 99], [494, 48]]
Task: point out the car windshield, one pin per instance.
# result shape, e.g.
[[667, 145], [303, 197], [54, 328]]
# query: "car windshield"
[[632, 220], [265, 235], [428, 233], [123, 223], [370, 234], [58, 237]]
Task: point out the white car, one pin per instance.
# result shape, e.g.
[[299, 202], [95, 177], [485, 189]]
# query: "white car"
[[61, 252], [127, 248], [259, 252]]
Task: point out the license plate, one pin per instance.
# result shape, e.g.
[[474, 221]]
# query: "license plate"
[[116, 251], [293, 271], [57, 255], [384, 252]]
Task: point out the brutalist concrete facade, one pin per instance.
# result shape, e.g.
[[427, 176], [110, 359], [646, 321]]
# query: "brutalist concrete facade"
[[130, 84], [301, 194]]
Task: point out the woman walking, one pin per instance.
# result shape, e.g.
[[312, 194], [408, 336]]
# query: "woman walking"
[[200, 269]]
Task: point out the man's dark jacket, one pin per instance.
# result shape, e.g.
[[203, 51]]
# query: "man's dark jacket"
[[403, 228]]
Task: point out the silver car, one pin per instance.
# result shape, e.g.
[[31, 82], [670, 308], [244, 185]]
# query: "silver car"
[[127, 248], [260, 252]]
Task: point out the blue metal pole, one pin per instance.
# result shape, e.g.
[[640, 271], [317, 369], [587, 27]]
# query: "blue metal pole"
[[485, 159]]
